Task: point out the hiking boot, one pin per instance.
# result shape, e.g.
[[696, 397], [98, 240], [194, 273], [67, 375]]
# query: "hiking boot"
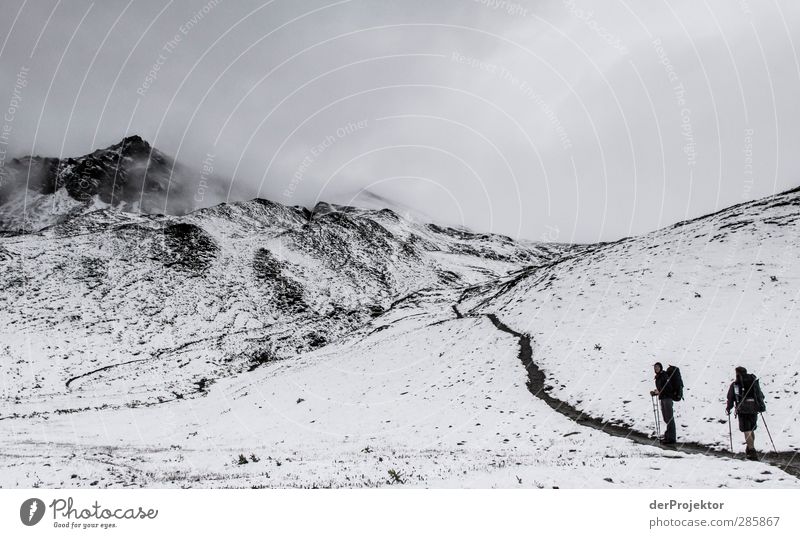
[[668, 442], [751, 454]]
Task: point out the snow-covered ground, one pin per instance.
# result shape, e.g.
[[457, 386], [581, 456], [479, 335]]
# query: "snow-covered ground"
[[428, 401], [706, 295], [258, 345], [112, 309]]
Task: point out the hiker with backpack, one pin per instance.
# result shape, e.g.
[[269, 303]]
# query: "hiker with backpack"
[[669, 388], [747, 401]]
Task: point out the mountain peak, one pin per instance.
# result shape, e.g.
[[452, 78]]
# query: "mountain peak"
[[323, 208], [130, 175], [130, 146]]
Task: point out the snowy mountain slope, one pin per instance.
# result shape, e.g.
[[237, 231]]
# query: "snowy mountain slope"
[[110, 309], [370, 199], [706, 295], [151, 350], [415, 397], [37, 192]]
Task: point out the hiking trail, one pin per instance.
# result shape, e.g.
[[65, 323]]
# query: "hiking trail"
[[788, 461]]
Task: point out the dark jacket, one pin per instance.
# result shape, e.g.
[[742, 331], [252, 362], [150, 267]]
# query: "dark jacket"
[[746, 386], [662, 382]]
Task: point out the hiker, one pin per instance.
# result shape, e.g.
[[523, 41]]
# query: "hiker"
[[747, 401], [664, 393]]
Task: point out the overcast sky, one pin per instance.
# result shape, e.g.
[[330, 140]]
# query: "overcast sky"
[[567, 120]]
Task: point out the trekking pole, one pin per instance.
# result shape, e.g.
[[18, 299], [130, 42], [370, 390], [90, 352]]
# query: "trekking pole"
[[730, 431], [658, 418], [770, 435], [655, 416], [658, 415], [654, 413]]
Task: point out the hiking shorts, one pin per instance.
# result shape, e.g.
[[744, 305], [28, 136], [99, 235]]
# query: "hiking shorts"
[[747, 423]]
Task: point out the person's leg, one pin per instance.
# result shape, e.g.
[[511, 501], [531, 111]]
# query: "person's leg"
[[747, 424], [669, 420], [744, 427], [750, 440]]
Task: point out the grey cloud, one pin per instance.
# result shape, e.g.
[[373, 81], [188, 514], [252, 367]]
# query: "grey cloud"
[[520, 118]]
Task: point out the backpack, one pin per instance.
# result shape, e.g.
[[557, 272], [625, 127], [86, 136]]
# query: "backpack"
[[675, 383], [751, 392]]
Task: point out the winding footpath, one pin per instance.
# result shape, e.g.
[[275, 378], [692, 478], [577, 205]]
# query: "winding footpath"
[[786, 461]]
